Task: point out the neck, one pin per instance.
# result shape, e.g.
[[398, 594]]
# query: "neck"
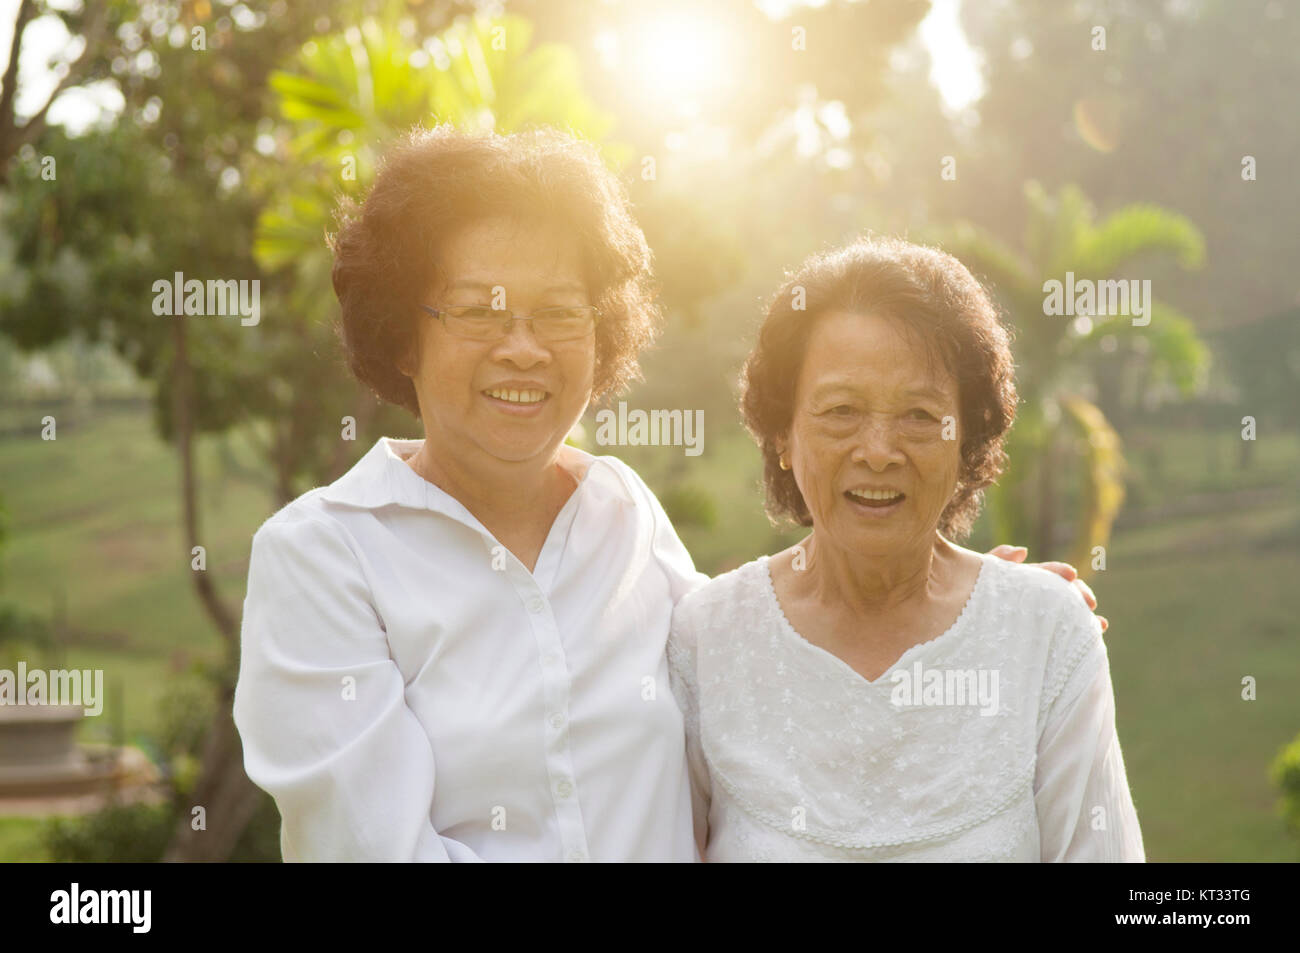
[[495, 491], [874, 584]]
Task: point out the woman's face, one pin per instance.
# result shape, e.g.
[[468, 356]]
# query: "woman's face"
[[519, 266], [869, 422]]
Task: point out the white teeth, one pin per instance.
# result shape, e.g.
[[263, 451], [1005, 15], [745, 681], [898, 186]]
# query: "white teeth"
[[875, 494], [517, 396]]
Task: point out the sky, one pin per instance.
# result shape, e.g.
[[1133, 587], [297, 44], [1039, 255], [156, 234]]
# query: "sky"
[[954, 65]]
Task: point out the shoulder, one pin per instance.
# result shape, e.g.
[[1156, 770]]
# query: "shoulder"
[[719, 605], [1051, 612], [722, 601], [1037, 592], [306, 530], [633, 487]]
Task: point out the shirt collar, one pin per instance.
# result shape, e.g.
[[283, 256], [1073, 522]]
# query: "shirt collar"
[[382, 478]]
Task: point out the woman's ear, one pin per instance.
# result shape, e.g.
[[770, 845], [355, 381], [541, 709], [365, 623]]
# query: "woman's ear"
[[409, 361], [404, 365]]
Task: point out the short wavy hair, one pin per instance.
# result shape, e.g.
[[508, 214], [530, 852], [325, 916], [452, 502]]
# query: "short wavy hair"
[[433, 182], [927, 291]]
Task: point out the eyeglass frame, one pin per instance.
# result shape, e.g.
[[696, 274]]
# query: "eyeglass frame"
[[509, 318]]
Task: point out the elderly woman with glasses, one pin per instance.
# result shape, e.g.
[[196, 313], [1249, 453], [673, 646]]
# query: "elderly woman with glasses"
[[456, 651], [877, 692]]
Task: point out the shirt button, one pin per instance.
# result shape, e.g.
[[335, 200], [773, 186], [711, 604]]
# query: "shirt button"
[[557, 721], [535, 605], [564, 789], [576, 856]]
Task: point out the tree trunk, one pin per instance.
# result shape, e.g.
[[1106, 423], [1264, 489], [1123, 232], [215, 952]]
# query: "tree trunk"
[[229, 800], [223, 790]]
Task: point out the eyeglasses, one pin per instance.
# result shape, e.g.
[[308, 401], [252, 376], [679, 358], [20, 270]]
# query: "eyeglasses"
[[550, 325]]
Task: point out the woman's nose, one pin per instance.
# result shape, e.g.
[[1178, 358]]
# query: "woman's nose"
[[521, 347], [877, 444]]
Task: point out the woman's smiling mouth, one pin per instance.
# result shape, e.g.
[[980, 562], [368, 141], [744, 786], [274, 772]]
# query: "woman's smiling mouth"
[[515, 396], [878, 502], [517, 401]]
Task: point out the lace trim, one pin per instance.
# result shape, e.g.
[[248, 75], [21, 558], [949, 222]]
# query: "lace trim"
[[777, 611], [1014, 793], [1064, 671]]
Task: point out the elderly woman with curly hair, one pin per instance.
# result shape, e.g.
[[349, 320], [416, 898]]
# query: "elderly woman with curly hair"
[[877, 692], [456, 651]]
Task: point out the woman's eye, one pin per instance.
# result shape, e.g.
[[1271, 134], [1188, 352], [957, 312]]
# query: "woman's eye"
[[918, 413], [842, 410]]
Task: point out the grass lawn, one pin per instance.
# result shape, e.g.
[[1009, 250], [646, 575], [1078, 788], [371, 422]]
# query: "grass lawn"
[[1195, 607]]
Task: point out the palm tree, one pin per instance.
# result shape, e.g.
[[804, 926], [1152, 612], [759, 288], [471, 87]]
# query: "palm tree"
[[1053, 353], [351, 93]]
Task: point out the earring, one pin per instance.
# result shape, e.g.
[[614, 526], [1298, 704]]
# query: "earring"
[[781, 462]]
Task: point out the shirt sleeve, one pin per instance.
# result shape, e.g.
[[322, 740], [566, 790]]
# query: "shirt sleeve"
[[668, 548], [321, 708], [682, 678], [1081, 792]]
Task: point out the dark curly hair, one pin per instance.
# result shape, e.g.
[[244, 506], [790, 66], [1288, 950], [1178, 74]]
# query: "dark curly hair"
[[433, 182], [929, 292]]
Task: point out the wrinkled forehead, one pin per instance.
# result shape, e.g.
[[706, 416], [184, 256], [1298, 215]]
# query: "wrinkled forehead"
[[874, 354]]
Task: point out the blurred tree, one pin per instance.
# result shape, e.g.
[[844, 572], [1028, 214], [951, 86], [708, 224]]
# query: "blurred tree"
[[137, 199], [93, 25], [1264, 360], [1167, 112], [1062, 236]]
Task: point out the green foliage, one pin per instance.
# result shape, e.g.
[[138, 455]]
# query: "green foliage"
[[1264, 360], [1285, 774], [24, 629], [121, 833], [1054, 354], [184, 715], [349, 94], [139, 834], [688, 505]]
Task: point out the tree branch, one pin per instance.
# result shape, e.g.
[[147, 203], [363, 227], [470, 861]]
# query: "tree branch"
[[12, 136], [9, 85]]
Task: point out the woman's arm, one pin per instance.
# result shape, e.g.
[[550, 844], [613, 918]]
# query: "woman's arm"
[[321, 706], [1085, 810], [681, 674]]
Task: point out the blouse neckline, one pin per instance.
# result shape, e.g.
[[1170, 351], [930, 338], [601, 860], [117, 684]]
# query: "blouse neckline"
[[960, 624]]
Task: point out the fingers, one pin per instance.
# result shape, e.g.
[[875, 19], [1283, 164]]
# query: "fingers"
[[1064, 570], [1015, 554], [1088, 596]]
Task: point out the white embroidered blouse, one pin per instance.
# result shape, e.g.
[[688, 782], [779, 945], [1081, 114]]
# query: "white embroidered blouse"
[[994, 741]]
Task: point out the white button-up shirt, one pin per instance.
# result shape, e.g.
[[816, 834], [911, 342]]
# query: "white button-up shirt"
[[408, 690]]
